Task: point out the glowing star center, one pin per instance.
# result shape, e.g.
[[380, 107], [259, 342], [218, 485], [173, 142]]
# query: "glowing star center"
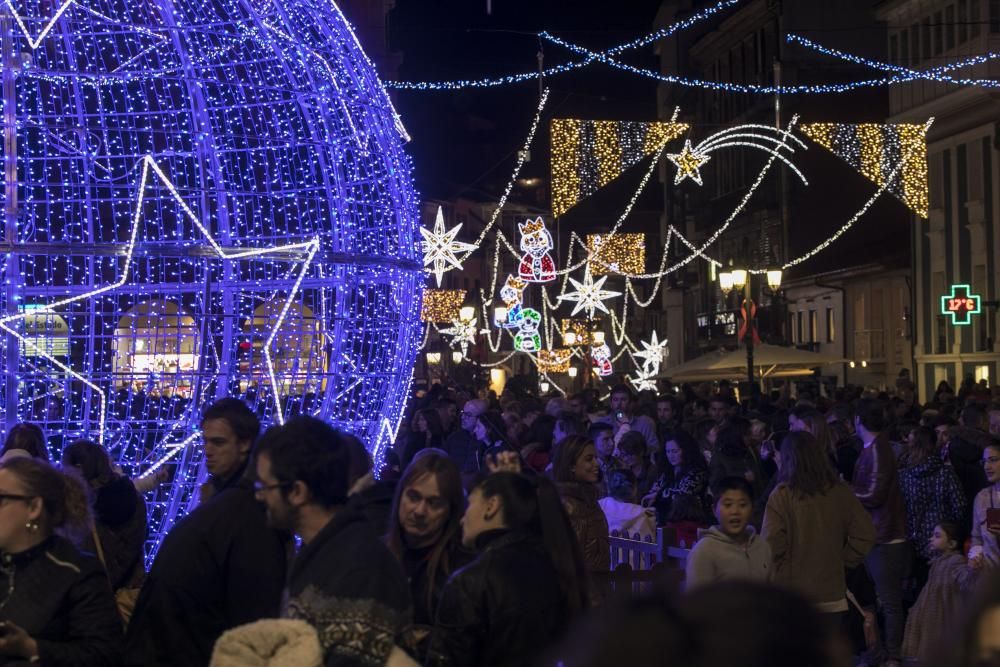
[[688, 162], [440, 246]]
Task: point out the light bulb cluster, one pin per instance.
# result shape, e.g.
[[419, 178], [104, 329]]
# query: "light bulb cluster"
[[209, 203], [553, 361], [441, 305], [621, 253], [589, 154]]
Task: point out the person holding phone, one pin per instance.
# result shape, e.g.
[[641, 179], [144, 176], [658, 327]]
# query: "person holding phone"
[[985, 551]]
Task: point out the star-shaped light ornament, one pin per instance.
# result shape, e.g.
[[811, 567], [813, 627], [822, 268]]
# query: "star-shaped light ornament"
[[463, 332], [588, 295], [642, 382], [652, 354], [440, 246], [688, 162]]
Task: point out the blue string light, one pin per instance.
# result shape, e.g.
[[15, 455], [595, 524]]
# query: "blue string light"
[[209, 202]]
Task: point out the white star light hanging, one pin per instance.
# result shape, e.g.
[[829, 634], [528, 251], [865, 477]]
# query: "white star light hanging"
[[652, 355], [440, 246], [688, 162], [642, 382], [588, 295], [463, 332]]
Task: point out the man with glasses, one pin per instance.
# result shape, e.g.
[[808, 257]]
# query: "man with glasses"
[[462, 446], [344, 581], [221, 566]]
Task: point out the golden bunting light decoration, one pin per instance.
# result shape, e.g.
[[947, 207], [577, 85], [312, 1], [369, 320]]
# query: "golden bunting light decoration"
[[589, 154], [441, 305], [874, 149], [621, 253], [554, 361]]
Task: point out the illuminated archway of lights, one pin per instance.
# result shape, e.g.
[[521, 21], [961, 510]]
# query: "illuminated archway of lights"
[[242, 165]]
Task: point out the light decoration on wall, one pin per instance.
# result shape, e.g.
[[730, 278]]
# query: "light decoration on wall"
[[875, 149], [578, 332], [463, 333], [527, 338], [441, 305], [554, 361], [621, 253], [439, 247], [511, 294], [600, 359], [643, 382], [653, 353], [589, 154], [283, 239], [589, 295], [961, 304]]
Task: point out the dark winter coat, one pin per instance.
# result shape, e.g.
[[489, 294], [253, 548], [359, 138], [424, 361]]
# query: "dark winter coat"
[[729, 463], [876, 485], [692, 482], [221, 566], [965, 454], [503, 609], [589, 524], [932, 494], [120, 522], [60, 597], [347, 584]]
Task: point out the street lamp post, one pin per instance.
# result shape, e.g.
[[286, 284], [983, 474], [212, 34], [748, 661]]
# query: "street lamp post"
[[740, 279]]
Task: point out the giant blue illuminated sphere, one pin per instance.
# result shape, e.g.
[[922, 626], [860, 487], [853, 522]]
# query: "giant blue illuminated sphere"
[[202, 198]]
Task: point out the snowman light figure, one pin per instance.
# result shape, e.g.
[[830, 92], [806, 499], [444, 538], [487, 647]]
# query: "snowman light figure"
[[600, 356], [527, 338], [537, 265], [511, 294]]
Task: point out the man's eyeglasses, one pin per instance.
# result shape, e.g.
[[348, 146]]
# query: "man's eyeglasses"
[[468, 414], [260, 488]]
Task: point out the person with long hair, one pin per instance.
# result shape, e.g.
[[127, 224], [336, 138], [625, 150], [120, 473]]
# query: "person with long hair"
[[985, 549], [683, 473], [816, 527], [525, 587], [576, 472], [27, 438], [56, 606], [426, 533], [120, 531], [426, 432], [807, 418], [491, 434]]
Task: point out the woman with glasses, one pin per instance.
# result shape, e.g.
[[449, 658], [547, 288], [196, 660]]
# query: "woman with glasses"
[[56, 607]]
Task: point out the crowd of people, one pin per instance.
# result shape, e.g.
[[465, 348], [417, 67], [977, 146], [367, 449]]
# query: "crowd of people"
[[857, 529]]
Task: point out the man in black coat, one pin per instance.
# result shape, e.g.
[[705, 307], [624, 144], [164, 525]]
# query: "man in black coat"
[[344, 581], [221, 566]]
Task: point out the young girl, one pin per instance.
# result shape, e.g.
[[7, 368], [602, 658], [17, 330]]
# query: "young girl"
[[937, 612]]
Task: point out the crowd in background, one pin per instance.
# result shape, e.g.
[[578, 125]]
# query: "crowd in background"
[[853, 529]]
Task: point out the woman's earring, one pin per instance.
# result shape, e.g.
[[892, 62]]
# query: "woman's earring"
[[32, 526]]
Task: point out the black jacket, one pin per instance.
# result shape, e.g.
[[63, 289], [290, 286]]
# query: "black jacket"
[[61, 597], [221, 566], [348, 585], [502, 609], [120, 518]]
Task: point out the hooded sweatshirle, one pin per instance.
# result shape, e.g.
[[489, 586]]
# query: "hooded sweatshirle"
[[718, 557]]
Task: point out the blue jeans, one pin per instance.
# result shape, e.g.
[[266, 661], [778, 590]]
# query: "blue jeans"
[[887, 564]]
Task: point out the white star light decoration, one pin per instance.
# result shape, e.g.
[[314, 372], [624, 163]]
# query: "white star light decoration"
[[440, 246], [688, 162], [642, 382], [463, 332], [305, 250], [588, 295], [652, 355]]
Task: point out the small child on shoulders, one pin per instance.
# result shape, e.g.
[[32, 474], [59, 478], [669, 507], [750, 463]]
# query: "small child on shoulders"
[[730, 549]]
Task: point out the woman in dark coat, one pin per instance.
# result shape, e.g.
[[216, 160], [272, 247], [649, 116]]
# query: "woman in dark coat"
[[525, 587], [57, 607], [684, 474], [119, 516]]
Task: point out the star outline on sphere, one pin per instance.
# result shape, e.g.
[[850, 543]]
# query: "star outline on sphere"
[[588, 295], [652, 354], [35, 42], [689, 163], [463, 332], [309, 248], [440, 246]]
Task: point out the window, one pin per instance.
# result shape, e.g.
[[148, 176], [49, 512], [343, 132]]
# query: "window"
[[995, 16], [914, 44], [949, 27], [791, 328], [963, 21], [831, 330], [904, 47], [925, 39], [813, 321], [983, 373], [974, 19], [894, 49], [938, 34], [799, 322]]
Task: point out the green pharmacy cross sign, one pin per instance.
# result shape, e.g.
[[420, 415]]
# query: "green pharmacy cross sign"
[[961, 305]]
